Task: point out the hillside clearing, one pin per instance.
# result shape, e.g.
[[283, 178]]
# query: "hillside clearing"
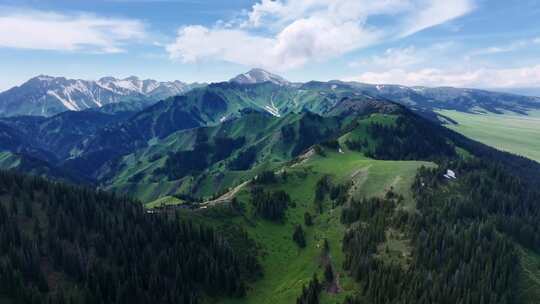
[[165, 201], [287, 268]]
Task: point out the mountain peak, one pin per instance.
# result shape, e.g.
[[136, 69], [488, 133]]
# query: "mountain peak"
[[259, 76], [132, 78], [43, 78], [107, 79]]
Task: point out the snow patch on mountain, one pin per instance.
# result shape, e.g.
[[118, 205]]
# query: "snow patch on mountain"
[[272, 109], [44, 78], [47, 95], [68, 103], [259, 76]]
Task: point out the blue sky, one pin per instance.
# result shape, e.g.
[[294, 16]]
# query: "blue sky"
[[467, 43]]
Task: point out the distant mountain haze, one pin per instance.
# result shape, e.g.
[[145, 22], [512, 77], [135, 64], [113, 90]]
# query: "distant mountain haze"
[[520, 91]]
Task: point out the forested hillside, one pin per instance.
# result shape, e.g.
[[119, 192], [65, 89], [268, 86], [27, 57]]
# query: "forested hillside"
[[464, 239], [347, 214], [63, 244]]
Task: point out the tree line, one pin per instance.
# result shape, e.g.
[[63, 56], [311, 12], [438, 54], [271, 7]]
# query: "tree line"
[[410, 138]]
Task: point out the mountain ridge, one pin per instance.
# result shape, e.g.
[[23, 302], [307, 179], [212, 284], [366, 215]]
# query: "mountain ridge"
[[45, 95], [216, 103]]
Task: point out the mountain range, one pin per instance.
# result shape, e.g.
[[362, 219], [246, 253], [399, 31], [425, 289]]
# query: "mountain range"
[[98, 145], [47, 96]]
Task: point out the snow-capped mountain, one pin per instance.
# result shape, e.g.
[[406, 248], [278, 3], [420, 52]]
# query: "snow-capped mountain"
[[148, 87], [259, 76], [46, 95]]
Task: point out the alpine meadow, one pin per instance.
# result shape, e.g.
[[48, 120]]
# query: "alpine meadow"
[[360, 153]]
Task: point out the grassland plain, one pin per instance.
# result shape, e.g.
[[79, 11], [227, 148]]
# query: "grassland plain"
[[286, 267], [518, 134]]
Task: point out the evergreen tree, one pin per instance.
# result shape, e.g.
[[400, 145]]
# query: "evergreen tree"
[[270, 205], [110, 250], [329, 273], [299, 236], [311, 293], [308, 220]]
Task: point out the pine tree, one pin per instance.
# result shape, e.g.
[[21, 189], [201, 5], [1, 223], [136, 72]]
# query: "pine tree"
[[308, 220], [299, 236], [329, 273]]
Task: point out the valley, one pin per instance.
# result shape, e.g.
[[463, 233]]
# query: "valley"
[[519, 134]]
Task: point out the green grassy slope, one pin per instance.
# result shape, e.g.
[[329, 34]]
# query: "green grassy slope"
[[164, 202], [286, 267], [9, 160], [136, 173], [275, 141], [530, 276], [514, 133]]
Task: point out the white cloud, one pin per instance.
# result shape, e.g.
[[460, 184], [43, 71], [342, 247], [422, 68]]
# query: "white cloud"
[[479, 77], [407, 57], [285, 34], [276, 12], [54, 31], [392, 58], [196, 42], [509, 47], [435, 12], [304, 40]]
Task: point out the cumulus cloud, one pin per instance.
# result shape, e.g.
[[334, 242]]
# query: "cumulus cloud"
[[196, 42], [61, 32], [285, 34], [303, 40], [480, 77]]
